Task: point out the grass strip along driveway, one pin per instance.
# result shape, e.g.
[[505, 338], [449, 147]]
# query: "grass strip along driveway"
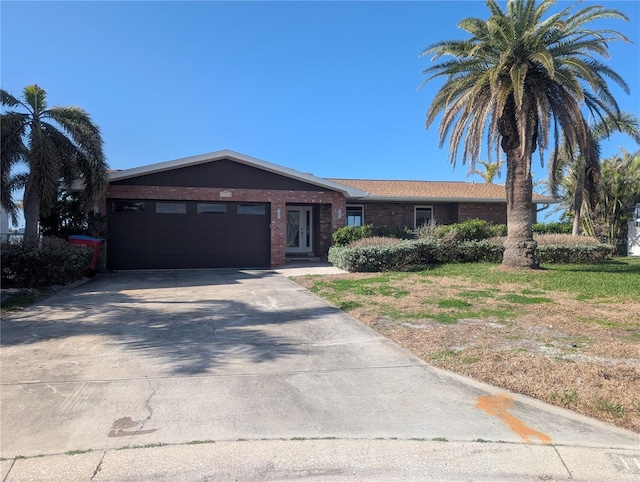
[[567, 335]]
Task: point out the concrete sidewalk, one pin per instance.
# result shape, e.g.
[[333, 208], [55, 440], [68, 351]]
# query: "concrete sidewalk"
[[377, 460], [245, 375]]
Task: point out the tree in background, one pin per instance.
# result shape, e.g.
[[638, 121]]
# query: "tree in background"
[[570, 170], [521, 79], [66, 216], [57, 144], [618, 195], [491, 170]]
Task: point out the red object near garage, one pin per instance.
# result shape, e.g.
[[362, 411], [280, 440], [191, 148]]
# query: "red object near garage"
[[94, 243]]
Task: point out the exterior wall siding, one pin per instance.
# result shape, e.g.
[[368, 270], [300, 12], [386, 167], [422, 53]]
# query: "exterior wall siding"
[[331, 204], [397, 215], [495, 213]]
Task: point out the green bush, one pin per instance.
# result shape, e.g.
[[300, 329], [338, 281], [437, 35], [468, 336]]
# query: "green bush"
[[379, 258], [498, 230], [374, 241], [399, 233], [411, 253], [483, 251], [371, 258], [469, 230], [575, 254], [347, 234], [52, 262], [552, 228]]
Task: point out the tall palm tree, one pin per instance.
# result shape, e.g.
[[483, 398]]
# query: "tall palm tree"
[[56, 144], [521, 78], [571, 167]]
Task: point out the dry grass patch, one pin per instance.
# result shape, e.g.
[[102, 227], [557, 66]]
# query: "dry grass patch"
[[559, 347]]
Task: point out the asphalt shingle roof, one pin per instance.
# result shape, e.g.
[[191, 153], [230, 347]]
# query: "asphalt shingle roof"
[[433, 190]]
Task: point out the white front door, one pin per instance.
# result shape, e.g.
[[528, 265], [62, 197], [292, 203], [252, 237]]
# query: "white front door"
[[299, 229]]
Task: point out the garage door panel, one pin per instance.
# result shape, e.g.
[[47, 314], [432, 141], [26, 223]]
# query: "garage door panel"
[[167, 261], [159, 234]]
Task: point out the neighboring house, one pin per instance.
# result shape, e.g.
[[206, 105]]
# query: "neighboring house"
[[633, 234], [226, 209], [4, 225]]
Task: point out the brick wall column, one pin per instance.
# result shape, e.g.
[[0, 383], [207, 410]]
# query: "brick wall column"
[[278, 233]]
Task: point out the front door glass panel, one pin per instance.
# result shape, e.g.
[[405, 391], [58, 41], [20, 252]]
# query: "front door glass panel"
[[299, 229]]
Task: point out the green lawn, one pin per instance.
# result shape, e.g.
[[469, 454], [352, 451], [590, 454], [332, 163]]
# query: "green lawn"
[[617, 279]]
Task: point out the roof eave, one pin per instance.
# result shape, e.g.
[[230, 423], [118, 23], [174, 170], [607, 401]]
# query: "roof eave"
[[445, 199]]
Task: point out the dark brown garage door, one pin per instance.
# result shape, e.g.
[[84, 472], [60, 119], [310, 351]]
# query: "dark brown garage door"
[[187, 234]]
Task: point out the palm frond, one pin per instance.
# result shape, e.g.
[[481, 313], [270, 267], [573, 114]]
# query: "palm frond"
[[7, 100]]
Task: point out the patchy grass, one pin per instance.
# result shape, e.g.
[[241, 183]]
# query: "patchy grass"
[[567, 335], [21, 299], [525, 300], [77, 452]]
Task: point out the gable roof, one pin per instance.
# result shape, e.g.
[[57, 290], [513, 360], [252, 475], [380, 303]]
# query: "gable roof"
[[434, 191], [348, 191]]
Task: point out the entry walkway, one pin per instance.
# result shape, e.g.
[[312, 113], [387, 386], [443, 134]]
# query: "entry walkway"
[[245, 375]]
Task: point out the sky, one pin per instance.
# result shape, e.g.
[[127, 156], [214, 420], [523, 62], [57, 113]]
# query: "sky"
[[327, 88]]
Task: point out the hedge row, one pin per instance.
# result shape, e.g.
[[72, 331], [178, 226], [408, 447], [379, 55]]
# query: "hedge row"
[[51, 262], [432, 251], [575, 254]]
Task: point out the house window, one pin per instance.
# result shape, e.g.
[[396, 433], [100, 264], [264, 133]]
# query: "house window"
[[423, 216], [255, 209], [128, 206], [355, 215], [171, 208], [212, 208]]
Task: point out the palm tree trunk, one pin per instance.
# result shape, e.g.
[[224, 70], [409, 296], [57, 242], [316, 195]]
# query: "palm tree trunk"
[[577, 204], [31, 206], [519, 247]]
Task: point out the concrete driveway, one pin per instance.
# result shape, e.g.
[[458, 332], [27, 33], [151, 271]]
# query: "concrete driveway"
[[254, 362]]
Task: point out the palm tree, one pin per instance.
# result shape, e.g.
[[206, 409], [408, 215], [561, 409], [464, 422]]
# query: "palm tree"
[[568, 166], [521, 79], [491, 170], [618, 195], [56, 144]]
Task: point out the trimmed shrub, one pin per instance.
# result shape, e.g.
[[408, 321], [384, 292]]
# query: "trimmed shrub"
[[406, 254], [576, 254], [552, 228], [498, 230], [483, 251], [386, 257], [565, 240], [348, 234], [399, 233], [371, 258], [469, 230], [374, 241], [52, 262]]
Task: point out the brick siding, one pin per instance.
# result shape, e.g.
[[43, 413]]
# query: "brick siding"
[[401, 215], [495, 213]]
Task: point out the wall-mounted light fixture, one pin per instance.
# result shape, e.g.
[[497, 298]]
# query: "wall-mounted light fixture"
[[278, 213], [339, 213]]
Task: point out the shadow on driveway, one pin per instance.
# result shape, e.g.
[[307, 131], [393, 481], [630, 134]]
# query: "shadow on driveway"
[[193, 320]]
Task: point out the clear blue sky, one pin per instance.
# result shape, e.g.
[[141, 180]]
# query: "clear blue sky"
[[328, 88]]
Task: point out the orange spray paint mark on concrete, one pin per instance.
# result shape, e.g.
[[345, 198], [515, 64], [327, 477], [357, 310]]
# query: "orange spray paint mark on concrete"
[[499, 406]]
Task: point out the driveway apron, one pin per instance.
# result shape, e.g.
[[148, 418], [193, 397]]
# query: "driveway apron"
[[175, 357]]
